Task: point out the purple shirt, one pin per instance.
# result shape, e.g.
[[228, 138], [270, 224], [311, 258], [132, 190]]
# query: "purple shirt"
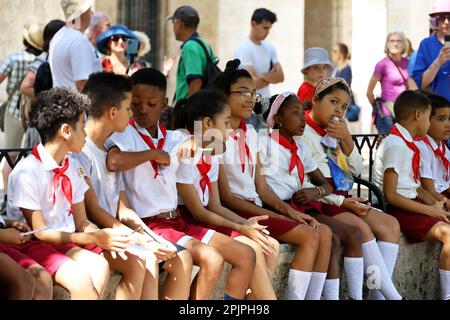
[[392, 83]]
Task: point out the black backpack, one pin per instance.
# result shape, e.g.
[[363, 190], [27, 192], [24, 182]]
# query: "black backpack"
[[212, 70], [44, 79]]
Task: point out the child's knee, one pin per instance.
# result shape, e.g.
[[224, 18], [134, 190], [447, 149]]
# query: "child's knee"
[[248, 256], [44, 284], [335, 245], [325, 235], [25, 284], [352, 236], [210, 259]]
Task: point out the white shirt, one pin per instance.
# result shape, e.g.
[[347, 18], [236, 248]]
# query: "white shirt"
[[257, 56], [242, 184], [313, 139], [72, 58], [188, 173], [31, 187], [149, 196], [275, 160], [107, 185], [431, 166], [394, 153]]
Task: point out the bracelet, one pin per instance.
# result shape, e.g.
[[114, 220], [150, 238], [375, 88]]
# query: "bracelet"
[[320, 192]]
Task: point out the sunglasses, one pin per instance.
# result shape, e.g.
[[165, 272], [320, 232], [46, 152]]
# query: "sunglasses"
[[442, 17], [117, 38]]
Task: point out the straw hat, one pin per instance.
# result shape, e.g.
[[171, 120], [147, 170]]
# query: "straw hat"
[[75, 8], [34, 35], [144, 41]]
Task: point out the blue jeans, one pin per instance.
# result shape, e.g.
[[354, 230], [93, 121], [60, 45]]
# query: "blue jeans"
[[384, 124]]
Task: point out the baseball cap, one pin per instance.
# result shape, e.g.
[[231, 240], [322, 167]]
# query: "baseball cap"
[[187, 14]]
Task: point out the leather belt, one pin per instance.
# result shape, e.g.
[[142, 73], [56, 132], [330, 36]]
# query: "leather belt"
[[170, 215]]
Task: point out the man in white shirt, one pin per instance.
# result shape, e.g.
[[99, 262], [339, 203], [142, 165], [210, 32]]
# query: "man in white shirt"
[[258, 56], [72, 58]]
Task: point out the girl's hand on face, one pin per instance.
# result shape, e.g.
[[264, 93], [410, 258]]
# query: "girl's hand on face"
[[337, 128]]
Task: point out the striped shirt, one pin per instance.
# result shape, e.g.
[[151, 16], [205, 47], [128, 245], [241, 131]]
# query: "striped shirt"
[[15, 67]]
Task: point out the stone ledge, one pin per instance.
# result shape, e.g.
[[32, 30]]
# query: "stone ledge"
[[416, 274]]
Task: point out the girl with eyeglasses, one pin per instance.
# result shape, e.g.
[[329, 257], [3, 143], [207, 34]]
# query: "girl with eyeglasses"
[[432, 67], [114, 45], [243, 190]]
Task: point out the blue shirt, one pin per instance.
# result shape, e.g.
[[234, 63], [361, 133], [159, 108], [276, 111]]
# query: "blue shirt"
[[428, 52]]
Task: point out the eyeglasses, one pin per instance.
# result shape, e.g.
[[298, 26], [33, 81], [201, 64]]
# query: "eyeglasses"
[[395, 41], [442, 17], [117, 38], [247, 95]]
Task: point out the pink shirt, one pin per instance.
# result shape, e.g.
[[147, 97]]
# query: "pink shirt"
[[392, 83]]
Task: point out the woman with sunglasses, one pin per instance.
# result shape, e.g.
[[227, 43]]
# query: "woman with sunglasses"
[[432, 67], [114, 45]]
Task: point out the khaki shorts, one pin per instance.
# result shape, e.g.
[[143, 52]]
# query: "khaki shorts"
[[13, 132]]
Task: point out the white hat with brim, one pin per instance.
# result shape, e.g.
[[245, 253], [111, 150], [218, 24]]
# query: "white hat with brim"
[[314, 56], [75, 8], [34, 35], [440, 6]]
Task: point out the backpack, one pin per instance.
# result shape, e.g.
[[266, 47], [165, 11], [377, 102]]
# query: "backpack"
[[44, 79], [212, 70]]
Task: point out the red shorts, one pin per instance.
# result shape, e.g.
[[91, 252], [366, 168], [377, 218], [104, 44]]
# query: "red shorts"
[[49, 256], [224, 230], [21, 259], [446, 194], [313, 207], [181, 229], [415, 226]]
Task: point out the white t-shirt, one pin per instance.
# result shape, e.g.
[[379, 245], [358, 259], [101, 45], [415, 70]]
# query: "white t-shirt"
[[149, 196], [431, 166], [394, 153], [31, 187], [242, 184], [72, 58], [314, 141], [257, 56], [188, 173], [107, 185]]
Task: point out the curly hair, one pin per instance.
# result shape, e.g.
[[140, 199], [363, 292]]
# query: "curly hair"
[[56, 107], [106, 89]]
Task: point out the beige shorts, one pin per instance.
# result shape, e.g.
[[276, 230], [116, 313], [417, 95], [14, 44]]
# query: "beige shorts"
[[13, 132]]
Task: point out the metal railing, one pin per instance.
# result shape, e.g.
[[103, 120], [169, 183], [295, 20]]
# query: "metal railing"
[[361, 141]]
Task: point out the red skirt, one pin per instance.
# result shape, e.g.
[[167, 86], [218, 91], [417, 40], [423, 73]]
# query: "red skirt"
[[332, 210], [415, 226]]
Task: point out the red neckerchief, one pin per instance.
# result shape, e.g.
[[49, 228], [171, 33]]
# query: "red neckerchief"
[[244, 150], [150, 143], [295, 159], [204, 165], [310, 122], [411, 145], [439, 153], [66, 185]]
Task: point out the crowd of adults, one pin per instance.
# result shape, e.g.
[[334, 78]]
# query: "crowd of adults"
[[65, 53]]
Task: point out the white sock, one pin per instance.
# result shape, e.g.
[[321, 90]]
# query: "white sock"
[[331, 289], [445, 284], [298, 283], [315, 287], [354, 272], [389, 251], [373, 258]]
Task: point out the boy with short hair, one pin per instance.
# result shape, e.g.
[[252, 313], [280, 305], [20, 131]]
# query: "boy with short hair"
[[434, 154], [147, 154], [47, 190], [397, 172], [316, 67], [106, 202]]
